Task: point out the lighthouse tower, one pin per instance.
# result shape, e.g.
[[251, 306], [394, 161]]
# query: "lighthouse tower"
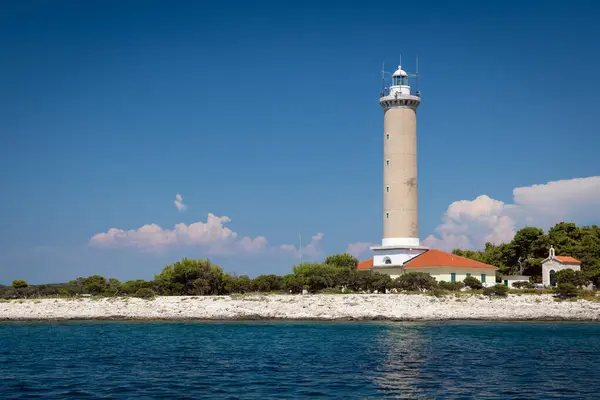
[[400, 195]]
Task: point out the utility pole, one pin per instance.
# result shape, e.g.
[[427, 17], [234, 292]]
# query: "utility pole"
[[300, 248]]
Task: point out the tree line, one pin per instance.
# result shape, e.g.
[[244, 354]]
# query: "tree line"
[[530, 246], [338, 272], [335, 274]]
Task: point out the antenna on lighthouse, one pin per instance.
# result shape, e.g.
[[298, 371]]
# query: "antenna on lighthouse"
[[382, 78], [417, 73]]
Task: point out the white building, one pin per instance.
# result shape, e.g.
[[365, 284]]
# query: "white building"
[[510, 280], [554, 263], [400, 249], [441, 265]]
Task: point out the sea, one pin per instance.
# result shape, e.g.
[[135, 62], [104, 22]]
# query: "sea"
[[290, 360]]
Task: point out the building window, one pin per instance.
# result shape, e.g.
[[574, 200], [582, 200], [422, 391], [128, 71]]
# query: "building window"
[[387, 215], [387, 136], [387, 163], [453, 277], [482, 278], [387, 188], [387, 260]]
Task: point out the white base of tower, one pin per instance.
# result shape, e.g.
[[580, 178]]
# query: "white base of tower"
[[402, 242], [394, 252]]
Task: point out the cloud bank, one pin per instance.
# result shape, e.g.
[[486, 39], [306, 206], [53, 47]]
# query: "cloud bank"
[[179, 203], [469, 224], [212, 235]]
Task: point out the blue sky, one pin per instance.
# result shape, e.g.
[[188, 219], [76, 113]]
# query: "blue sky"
[[267, 113]]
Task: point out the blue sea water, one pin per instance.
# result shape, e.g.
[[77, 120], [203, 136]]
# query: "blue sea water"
[[279, 360]]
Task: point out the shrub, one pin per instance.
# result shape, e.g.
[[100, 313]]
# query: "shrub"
[[266, 283], [331, 291], [438, 292], [473, 283], [521, 284], [566, 290], [496, 290], [320, 276], [145, 293], [451, 286], [410, 281], [292, 283], [576, 278], [19, 284]]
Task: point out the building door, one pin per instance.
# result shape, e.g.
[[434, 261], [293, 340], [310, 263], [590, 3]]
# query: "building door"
[[505, 282], [552, 277]]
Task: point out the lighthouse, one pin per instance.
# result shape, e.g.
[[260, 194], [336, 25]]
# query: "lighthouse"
[[400, 241], [400, 251]]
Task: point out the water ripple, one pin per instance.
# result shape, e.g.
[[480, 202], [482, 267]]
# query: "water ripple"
[[260, 360]]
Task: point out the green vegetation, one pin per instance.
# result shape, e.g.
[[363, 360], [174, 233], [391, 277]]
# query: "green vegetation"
[[473, 283], [451, 286], [497, 290], [522, 284], [19, 284], [338, 274], [531, 245], [565, 290], [415, 281], [145, 293]]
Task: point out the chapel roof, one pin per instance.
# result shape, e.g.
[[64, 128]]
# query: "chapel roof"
[[567, 260]]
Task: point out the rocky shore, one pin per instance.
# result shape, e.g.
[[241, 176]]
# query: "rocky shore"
[[393, 307]]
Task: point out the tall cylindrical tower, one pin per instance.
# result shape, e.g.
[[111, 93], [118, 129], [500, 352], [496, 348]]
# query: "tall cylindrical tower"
[[400, 197]]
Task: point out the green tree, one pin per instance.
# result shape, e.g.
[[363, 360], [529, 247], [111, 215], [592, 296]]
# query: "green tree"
[[113, 286], [130, 287], [575, 278], [499, 290], [19, 284], [472, 282], [343, 260], [267, 283], [202, 286], [236, 284], [95, 284], [180, 278], [413, 281], [321, 276], [292, 283], [380, 282], [566, 290]]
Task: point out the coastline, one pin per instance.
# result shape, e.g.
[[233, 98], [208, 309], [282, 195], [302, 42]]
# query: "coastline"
[[319, 307]]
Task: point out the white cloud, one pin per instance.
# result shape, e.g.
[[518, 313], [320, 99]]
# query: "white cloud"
[[311, 250], [212, 235], [471, 223], [179, 203], [358, 248]]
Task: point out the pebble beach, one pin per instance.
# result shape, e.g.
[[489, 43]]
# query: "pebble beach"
[[393, 307]]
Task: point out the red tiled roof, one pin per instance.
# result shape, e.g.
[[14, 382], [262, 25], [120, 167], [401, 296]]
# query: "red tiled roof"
[[434, 258], [567, 260], [438, 258], [365, 264]]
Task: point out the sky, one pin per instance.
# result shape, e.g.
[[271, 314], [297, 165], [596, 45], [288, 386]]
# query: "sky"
[[135, 133]]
